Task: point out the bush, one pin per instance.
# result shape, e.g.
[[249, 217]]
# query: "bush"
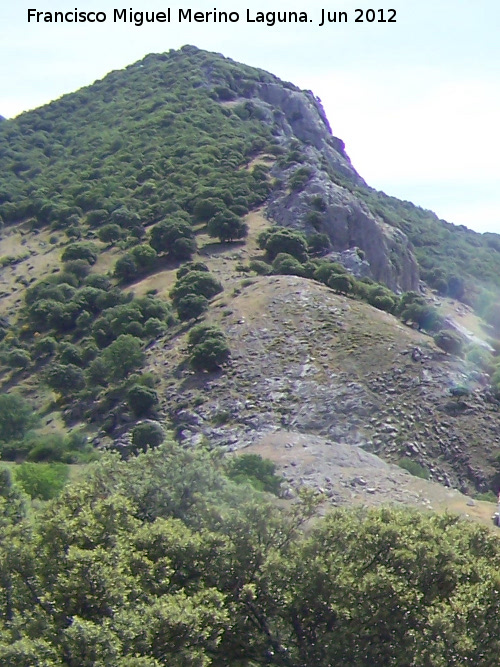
[[413, 468], [65, 378], [110, 233], [141, 400], [260, 267], [123, 356], [81, 250], [287, 241], [210, 354], [288, 265], [16, 417], [146, 435], [203, 331], [191, 306], [226, 226], [41, 480], [195, 282], [318, 244], [19, 359], [253, 469]]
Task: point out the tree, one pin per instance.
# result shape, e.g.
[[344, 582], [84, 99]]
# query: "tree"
[[65, 378], [286, 240], [164, 235], [126, 268], [147, 434], [110, 233], [287, 265], [81, 250], [141, 399], [144, 256], [16, 417], [226, 226], [210, 354], [195, 282], [122, 356], [340, 283], [191, 306]]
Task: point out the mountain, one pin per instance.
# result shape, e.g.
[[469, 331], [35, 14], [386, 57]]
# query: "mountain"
[[189, 188]]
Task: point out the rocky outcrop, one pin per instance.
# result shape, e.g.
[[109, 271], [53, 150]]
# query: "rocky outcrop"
[[349, 224], [297, 116]]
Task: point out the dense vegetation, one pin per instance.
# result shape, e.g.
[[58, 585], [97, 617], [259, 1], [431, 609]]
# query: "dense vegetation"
[[161, 560]]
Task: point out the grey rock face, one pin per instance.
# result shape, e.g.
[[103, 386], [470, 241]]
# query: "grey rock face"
[[298, 115]]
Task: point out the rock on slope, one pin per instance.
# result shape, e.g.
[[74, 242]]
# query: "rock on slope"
[[298, 115], [308, 361]]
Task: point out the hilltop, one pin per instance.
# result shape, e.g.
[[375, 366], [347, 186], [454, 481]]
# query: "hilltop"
[[190, 162]]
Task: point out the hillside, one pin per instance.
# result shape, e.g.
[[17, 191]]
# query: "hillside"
[[190, 162]]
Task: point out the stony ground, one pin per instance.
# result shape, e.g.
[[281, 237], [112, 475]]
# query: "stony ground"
[[312, 362]]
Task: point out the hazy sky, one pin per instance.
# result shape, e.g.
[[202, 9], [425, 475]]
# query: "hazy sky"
[[417, 102]]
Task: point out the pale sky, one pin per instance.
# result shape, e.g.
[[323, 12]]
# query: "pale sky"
[[417, 102]]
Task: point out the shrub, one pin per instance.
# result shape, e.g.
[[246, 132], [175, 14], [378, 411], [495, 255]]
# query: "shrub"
[[285, 264], [210, 354], [260, 267], [19, 359], [16, 417], [287, 241], [253, 469], [202, 331], [41, 480], [195, 282], [123, 356], [191, 306], [65, 378], [44, 347], [413, 468], [141, 399], [318, 244], [226, 226], [81, 250], [110, 233], [146, 435]]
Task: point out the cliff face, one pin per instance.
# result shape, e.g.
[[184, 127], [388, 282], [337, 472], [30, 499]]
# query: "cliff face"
[[300, 122]]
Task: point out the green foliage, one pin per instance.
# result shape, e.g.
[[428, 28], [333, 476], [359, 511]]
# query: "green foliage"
[[16, 417], [65, 378], [191, 306], [147, 435], [288, 265], [210, 355], [19, 359], [226, 226], [318, 244], [174, 236], [253, 469], [200, 283], [341, 283], [81, 250], [121, 357], [413, 468], [110, 233], [279, 240], [142, 400], [261, 268], [208, 348], [161, 560], [41, 480]]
